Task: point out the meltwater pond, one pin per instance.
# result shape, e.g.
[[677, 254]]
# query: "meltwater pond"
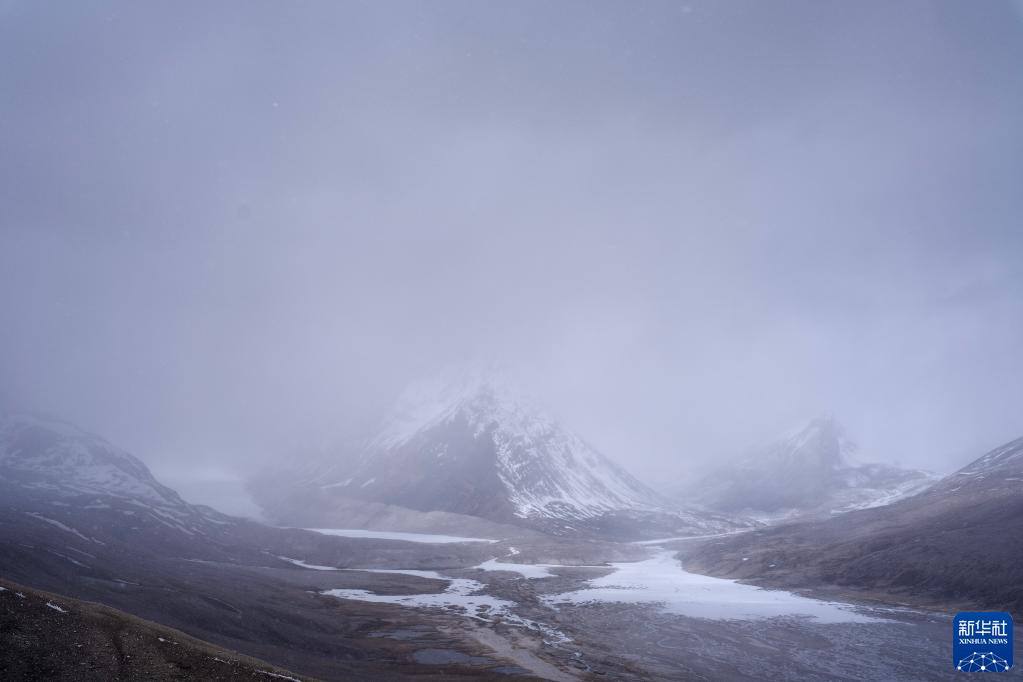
[[661, 580]]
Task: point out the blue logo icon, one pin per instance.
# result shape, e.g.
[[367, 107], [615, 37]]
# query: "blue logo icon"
[[982, 641]]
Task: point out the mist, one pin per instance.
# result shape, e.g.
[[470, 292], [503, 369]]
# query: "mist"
[[230, 232]]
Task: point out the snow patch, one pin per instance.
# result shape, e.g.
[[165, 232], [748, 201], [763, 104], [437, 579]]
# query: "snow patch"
[[395, 535], [277, 675], [315, 567], [58, 524], [662, 580], [461, 594], [525, 570]]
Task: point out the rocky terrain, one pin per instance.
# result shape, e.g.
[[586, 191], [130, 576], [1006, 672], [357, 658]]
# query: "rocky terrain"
[[959, 542], [45, 636]]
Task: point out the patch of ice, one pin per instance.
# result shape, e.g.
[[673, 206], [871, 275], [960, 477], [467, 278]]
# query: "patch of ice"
[[661, 541], [277, 675], [395, 535], [55, 607], [462, 594], [525, 570], [402, 571], [315, 567], [662, 580]]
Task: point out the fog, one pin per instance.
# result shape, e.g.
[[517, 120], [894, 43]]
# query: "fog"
[[230, 231]]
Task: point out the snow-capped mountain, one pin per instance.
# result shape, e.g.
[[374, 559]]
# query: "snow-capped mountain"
[[62, 475], [477, 446], [49, 454], [810, 471], [958, 541], [998, 473]]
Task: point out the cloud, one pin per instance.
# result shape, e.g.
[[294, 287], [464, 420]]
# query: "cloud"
[[230, 230]]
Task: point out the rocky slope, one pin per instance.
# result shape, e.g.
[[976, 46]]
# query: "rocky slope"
[[960, 541], [53, 637], [57, 480]]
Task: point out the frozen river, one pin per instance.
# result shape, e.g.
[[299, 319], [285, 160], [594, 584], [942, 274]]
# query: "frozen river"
[[651, 619]]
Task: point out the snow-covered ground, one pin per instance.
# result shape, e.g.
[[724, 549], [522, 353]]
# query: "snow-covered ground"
[[661, 580], [58, 524], [394, 535], [525, 570], [460, 593], [463, 594], [661, 541], [315, 567]]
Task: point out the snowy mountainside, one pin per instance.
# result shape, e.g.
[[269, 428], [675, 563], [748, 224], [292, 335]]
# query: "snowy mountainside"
[[999, 472], [543, 469], [477, 446], [57, 471], [935, 542], [811, 471], [53, 455]]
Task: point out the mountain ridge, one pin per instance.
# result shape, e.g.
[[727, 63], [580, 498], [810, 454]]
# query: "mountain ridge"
[[959, 541], [478, 446], [811, 471]]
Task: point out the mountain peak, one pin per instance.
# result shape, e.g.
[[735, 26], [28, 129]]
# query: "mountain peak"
[[39, 451], [820, 442], [471, 442], [806, 472], [482, 394]]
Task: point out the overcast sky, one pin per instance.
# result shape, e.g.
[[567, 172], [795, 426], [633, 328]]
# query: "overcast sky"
[[229, 229]]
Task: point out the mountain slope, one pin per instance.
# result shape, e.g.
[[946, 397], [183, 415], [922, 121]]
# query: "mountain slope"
[[476, 447], [49, 454], [810, 472], [53, 637], [56, 477], [959, 541]]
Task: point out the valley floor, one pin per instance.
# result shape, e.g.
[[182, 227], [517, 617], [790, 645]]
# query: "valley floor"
[[518, 608], [632, 620]]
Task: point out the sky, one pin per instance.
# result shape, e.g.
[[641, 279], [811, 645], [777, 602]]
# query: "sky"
[[230, 231]]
